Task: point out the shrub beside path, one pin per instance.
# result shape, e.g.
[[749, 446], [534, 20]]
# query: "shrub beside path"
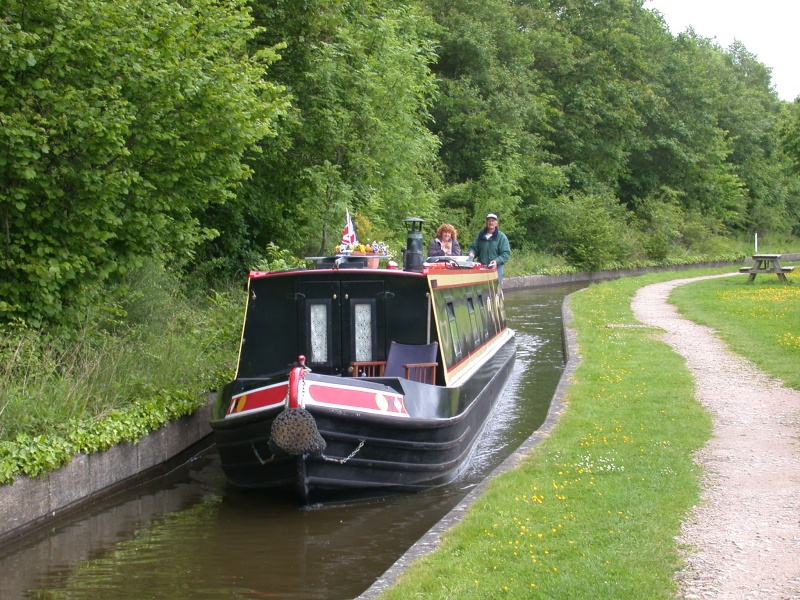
[[743, 539]]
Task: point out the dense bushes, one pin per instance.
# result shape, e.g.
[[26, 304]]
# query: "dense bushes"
[[148, 359], [120, 121]]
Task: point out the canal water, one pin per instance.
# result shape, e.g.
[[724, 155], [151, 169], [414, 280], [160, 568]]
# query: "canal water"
[[190, 535]]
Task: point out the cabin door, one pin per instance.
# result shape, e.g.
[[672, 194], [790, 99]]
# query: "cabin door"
[[340, 322]]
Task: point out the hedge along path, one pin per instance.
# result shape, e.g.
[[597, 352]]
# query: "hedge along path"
[[743, 539]]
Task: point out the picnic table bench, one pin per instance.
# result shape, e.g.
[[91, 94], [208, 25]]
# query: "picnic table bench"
[[766, 263]]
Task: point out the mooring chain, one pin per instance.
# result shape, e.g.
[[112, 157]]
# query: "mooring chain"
[[302, 390], [341, 461], [258, 456]]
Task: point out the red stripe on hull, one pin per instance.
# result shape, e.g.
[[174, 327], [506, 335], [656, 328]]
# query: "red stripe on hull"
[[357, 399], [260, 398]]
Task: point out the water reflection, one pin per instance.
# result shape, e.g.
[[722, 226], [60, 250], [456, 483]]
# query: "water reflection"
[[189, 535]]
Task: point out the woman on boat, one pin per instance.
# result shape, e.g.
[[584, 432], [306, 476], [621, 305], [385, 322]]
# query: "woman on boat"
[[446, 242]]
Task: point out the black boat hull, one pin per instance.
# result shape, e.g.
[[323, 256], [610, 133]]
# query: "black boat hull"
[[368, 454]]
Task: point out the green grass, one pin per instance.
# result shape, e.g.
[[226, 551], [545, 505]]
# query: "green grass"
[[594, 510], [140, 363], [47, 382], [759, 320]]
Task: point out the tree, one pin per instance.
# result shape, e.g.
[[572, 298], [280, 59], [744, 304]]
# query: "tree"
[[119, 119], [357, 134], [599, 89], [750, 115], [490, 115], [789, 131], [687, 150]]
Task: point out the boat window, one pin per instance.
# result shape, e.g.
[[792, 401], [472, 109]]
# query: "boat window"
[[319, 319], [364, 328], [491, 309], [495, 308], [451, 318], [501, 308], [484, 320], [473, 320]]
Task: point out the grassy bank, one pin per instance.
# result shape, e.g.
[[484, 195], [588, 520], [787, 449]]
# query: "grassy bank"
[[759, 320], [594, 510], [133, 367]]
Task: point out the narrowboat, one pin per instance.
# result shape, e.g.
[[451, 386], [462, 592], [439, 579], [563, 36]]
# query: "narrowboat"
[[357, 379]]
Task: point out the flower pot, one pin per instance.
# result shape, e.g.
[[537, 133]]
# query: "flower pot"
[[373, 260]]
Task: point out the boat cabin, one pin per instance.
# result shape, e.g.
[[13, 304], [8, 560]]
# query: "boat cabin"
[[345, 320]]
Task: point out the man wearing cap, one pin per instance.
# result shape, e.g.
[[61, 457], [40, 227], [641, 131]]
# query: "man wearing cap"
[[491, 247]]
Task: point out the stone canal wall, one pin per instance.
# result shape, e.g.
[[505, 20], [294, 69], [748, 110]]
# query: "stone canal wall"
[[29, 503], [531, 281]]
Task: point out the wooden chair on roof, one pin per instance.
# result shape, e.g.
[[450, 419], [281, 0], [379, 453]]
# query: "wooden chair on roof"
[[368, 368], [416, 362]]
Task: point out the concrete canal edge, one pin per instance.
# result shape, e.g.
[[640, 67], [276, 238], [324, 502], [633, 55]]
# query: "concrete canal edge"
[[31, 503], [532, 281], [431, 539]]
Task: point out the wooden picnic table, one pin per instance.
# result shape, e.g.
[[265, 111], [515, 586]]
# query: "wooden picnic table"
[[766, 263]]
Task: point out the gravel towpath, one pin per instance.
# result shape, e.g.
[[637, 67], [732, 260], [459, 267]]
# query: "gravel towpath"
[[743, 538]]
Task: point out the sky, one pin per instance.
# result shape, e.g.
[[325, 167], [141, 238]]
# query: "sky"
[[767, 28]]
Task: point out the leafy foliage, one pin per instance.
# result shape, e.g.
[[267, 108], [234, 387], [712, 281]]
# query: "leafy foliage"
[[356, 136], [490, 114], [36, 455], [116, 379], [598, 99], [126, 137], [587, 229], [119, 120], [277, 259]]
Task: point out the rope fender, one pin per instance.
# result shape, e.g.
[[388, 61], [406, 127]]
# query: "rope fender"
[[294, 431]]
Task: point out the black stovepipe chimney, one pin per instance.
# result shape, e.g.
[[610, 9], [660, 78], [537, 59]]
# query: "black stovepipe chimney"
[[412, 255]]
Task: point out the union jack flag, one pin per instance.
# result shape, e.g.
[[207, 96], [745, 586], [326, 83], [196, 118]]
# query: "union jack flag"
[[349, 234]]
